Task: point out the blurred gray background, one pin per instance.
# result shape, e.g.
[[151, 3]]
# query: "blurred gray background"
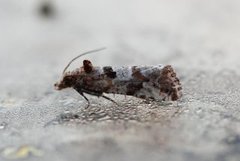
[[199, 38]]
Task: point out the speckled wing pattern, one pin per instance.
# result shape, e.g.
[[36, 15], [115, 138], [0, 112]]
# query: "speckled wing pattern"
[[148, 82]]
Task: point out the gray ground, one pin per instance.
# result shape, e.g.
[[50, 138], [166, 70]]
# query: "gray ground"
[[199, 38]]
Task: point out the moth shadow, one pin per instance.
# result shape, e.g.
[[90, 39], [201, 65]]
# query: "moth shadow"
[[128, 110]]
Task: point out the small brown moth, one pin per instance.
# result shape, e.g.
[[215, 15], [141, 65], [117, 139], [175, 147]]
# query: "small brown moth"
[[157, 82]]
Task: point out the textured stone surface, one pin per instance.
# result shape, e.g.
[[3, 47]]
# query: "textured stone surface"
[[199, 38]]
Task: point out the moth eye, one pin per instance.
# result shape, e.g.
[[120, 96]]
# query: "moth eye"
[[68, 80]]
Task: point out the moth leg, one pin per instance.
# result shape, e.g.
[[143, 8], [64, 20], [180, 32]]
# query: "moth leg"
[[109, 99], [80, 91], [85, 99], [100, 95]]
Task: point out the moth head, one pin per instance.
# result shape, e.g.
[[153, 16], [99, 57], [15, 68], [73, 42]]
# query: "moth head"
[[67, 81]]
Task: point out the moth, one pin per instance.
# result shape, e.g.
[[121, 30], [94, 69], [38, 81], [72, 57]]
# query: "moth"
[[157, 82]]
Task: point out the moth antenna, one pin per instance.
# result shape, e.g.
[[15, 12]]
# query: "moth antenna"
[[88, 52]]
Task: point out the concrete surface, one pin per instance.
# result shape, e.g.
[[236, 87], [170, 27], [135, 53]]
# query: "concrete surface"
[[199, 38]]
